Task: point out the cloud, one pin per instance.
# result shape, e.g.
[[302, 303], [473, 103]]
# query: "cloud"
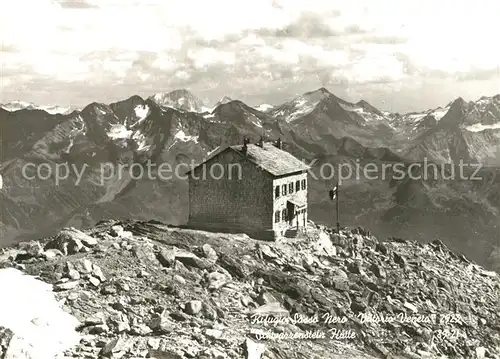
[[479, 75], [8, 48], [356, 29], [203, 58], [384, 40], [307, 25], [242, 47], [76, 4]]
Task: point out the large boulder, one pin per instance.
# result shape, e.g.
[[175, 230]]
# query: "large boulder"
[[71, 241]]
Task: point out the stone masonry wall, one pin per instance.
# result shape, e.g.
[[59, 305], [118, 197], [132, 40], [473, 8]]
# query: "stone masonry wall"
[[233, 202]]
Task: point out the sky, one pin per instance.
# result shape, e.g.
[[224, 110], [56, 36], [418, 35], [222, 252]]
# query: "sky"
[[400, 56]]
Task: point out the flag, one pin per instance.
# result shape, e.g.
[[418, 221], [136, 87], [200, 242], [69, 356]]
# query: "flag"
[[333, 193]]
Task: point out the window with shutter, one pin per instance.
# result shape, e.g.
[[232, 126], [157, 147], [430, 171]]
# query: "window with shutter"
[[276, 217], [284, 214], [277, 191]]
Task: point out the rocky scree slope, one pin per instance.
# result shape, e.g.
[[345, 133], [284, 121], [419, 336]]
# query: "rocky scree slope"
[[145, 289]]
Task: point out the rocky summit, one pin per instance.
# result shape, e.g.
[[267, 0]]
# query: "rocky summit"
[[149, 290]]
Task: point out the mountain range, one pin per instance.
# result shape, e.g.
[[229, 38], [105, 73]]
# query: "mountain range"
[[178, 128]]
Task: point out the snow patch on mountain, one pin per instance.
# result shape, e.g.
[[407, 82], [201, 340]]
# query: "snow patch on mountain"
[[141, 112], [181, 136], [439, 113], [78, 128], [264, 107], [119, 131], [22, 105], [141, 142], [415, 117], [18, 105], [414, 123], [42, 329], [478, 127], [211, 117], [254, 120], [362, 112], [487, 102], [54, 110], [294, 110]]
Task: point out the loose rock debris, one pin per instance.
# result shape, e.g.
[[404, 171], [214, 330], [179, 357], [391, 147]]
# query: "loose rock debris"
[[147, 290]]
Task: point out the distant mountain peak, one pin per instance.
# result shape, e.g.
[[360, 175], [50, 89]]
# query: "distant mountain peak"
[[135, 98], [94, 104], [96, 108], [321, 98], [223, 101], [459, 102], [234, 104], [321, 92], [181, 92], [23, 105], [175, 94], [180, 99]]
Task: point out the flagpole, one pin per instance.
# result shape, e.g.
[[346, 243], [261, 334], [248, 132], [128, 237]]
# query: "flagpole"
[[338, 221]]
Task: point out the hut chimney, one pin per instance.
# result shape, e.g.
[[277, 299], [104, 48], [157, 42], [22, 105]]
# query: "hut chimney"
[[278, 143], [244, 149]]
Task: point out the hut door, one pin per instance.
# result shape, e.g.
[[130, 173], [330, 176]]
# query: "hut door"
[[291, 212]]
